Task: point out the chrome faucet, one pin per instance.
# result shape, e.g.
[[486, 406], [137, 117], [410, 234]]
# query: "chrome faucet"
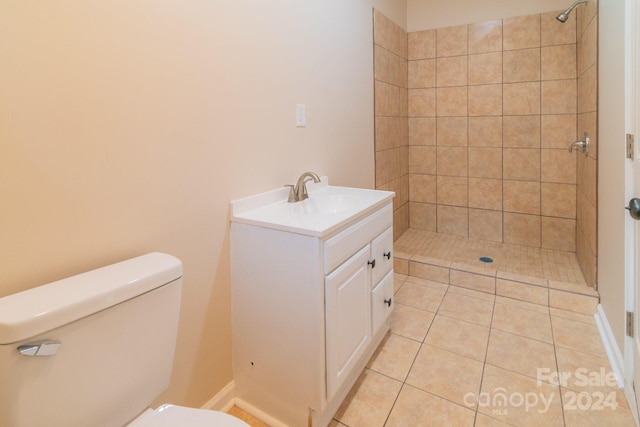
[[583, 145], [298, 192]]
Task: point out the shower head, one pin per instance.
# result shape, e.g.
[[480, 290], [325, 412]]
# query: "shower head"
[[565, 15]]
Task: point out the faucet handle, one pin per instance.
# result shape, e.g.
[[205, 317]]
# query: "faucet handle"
[[292, 193]]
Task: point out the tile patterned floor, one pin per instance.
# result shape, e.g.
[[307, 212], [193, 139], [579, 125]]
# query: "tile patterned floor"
[[460, 357]]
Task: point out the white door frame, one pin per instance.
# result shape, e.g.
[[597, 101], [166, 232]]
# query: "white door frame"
[[632, 245]]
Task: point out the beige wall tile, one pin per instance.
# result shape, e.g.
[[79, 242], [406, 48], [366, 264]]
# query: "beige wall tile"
[[451, 71], [389, 68], [558, 200], [452, 161], [453, 220], [422, 44], [558, 130], [422, 73], [485, 225], [522, 229], [422, 216], [485, 37], [588, 122], [558, 62], [558, 166], [555, 33], [485, 194], [559, 234], [521, 131], [521, 32], [485, 131], [422, 159], [390, 132], [452, 101], [383, 167], [521, 197], [451, 41], [521, 99], [452, 131], [559, 97], [422, 131], [389, 35], [588, 47], [485, 100], [422, 103], [588, 91], [485, 162], [522, 65], [521, 164], [485, 68], [388, 99], [452, 190]]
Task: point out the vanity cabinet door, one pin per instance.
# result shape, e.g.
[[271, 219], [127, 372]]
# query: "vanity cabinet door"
[[348, 317]]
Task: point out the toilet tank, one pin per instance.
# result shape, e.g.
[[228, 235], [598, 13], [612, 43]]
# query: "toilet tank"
[[98, 347]]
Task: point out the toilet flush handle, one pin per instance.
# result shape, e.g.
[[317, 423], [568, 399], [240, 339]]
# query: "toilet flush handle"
[[48, 348]]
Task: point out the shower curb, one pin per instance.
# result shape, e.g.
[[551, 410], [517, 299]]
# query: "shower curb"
[[536, 290]]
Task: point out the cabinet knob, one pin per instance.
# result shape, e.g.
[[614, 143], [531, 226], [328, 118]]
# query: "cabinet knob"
[[388, 302], [372, 263], [387, 254]]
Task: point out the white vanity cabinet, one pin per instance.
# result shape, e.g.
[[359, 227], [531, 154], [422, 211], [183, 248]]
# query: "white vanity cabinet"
[[308, 311], [353, 307]]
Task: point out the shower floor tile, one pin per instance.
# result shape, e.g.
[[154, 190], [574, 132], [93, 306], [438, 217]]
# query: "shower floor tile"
[[507, 258]]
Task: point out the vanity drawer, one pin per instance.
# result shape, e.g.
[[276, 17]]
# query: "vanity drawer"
[[382, 252], [344, 244], [382, 302]]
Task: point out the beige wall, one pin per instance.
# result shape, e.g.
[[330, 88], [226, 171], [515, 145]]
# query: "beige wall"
[[430, 14], [126, 127], [611, 164]]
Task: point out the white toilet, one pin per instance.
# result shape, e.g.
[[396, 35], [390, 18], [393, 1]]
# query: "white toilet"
[[96, 349]]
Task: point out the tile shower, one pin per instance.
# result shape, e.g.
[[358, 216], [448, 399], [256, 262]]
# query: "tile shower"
[[472, 128]]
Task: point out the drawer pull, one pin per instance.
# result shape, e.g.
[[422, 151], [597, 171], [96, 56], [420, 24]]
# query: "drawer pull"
[[387, 254], [372, 263], [388, 302]]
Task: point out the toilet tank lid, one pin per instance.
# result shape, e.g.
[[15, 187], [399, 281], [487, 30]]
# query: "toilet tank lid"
[[28, 313]]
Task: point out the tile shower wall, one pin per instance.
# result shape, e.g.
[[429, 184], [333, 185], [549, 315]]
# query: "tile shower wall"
[[587, 69], [391, 126], [492, 111], [473, 123]]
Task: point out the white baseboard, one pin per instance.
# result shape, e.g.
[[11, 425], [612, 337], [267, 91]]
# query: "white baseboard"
[[226, 398], [262, 416], [223, 400], [610, 345]]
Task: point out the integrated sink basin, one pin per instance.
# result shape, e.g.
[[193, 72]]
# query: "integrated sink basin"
[[327, 208]]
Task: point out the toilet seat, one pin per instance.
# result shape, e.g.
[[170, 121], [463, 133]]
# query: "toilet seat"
[[172, 416]]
